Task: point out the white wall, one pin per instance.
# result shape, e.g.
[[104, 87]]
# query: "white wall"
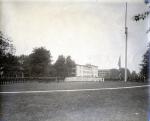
[[86, 71]]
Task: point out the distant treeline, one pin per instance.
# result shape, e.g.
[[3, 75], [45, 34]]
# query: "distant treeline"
[[39, 63], [119, 74], [36, 64]]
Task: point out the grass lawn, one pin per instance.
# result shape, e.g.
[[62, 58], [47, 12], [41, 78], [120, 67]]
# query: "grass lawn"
[[100, 105]]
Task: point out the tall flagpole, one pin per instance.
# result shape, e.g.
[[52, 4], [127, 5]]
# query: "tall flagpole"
[[126, 38]]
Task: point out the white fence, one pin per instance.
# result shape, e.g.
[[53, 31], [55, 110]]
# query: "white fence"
[[67, 79]]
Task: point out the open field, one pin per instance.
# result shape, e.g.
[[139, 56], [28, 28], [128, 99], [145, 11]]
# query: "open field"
[[89, 101]]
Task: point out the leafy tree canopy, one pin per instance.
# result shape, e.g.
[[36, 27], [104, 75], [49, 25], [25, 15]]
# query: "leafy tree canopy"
[[64, 66], [60, 66], [143, 16], [39, 61], [70, 66], [8, 62], [145, 64]]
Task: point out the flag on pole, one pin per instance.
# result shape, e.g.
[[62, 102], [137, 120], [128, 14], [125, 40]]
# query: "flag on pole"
[[119, 62]]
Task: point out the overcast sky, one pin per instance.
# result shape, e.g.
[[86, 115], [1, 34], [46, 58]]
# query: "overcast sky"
[[91, 32]]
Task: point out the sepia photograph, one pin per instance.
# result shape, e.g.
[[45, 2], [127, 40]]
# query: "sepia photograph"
[[74, 60]]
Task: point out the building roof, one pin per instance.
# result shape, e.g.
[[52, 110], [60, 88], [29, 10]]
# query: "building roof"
[[104, 69], [87, 65]]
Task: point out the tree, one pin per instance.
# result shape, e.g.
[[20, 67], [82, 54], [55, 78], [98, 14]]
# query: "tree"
[[134, 75], [5, 45], [70, 66], [122, 70], [119, 74], [39, 61], [114, 74], [52, 71], [5, 48], [8, 62], [144, 72], [60, 66], [143, 16], [11, 67], [24, 62], [64, 67]]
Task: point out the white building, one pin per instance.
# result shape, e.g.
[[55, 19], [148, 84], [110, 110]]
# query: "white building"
[[86, 71], [104, 73]]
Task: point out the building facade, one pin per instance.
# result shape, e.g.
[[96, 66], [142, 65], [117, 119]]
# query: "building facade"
[[104, 73], [86, 70]]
